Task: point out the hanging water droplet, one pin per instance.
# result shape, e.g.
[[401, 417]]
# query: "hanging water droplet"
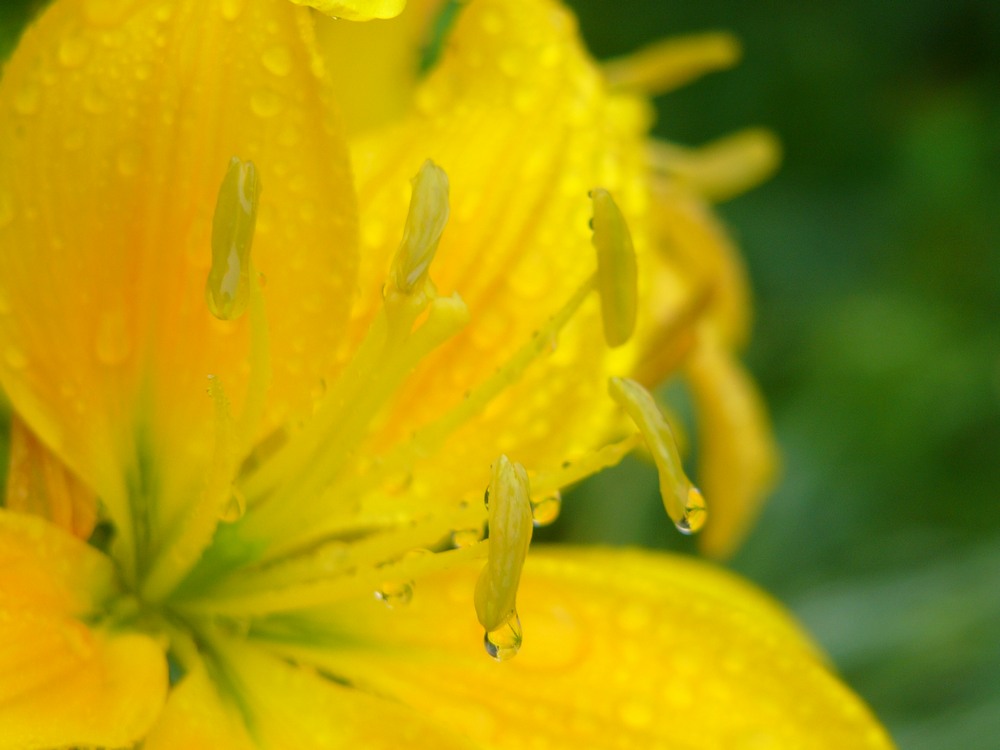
[[467, 537], [235, 506], [395, 594], [695, 513], [546, 508], [504, 642]]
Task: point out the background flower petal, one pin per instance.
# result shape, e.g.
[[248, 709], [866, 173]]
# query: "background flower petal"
[[117, 122], [622, 649], [520, 119], [356, 10]]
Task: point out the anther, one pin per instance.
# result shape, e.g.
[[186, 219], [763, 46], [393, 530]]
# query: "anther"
[[682, 500], [227, 290], [616, 269], [510, 525], [425, 224]]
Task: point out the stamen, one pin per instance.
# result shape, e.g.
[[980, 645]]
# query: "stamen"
[[722, 169], [668, 65], [617, 277], [227, 288], [510, 535], [425, 224], [683, 501]]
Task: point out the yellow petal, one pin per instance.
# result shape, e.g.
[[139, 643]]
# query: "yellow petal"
[[737, 457], [621, 650], [382, 57], [64, 683], [39, 483], [289, 708], [356, 10], [196, 717], [520, 119], [118, 120]]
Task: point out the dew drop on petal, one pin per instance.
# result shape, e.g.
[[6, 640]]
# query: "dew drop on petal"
[[545, 509], [235, 506], [395, 594], [695, 513], [266, 103], [504, 642], [277, 60]]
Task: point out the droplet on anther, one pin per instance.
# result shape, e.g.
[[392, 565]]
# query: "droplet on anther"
[[425, 224], [695, 513], [510, 528], [617, 276], [504, 642], [227, 290], [683, 502]]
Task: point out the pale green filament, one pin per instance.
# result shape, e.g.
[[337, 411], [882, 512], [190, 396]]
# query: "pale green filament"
[[227, 290], [617, 277], [510, 535], [425, 224]]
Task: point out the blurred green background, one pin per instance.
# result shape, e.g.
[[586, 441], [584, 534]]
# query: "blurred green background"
[[875, 257]]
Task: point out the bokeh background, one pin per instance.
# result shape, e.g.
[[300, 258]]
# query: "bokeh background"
[[875, 258]]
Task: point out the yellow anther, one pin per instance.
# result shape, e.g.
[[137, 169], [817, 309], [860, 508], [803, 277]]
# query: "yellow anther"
[[510, 535], [616, 270], [724, 168], [683, 501], [227, 290], [425, 224], [670, 64]]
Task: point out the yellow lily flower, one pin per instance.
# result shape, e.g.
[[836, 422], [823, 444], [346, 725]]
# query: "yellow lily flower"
[[259, 409]]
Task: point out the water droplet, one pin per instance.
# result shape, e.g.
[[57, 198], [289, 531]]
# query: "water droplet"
[[73, 50], [504, 642], [266, 103], [235, 506], [467, 537], [277, 60], [695, 513], [546, 509], [15, 358], [395, 594], [231, 9], [113, 343], [27, 99]]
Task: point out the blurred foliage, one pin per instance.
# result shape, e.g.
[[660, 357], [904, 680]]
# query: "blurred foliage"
[[875, 256]]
